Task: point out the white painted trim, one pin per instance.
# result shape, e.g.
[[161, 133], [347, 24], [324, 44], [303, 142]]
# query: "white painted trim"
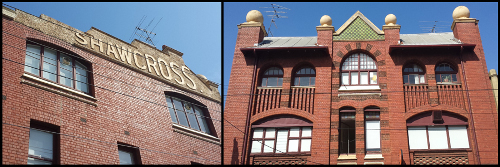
[[302, 86], [204, 135], [353, 156], [57, 86], [373, 163], [360, 88], [358, 94], [374, 156]]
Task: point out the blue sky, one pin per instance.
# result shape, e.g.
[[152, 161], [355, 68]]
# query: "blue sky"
[[413, 17], [191, 28]]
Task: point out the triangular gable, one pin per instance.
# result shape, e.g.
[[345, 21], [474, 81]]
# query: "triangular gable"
[[358, 28]]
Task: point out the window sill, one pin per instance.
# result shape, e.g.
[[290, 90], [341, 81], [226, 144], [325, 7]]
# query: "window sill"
[[347, 157], [359, 88], [374, 156], [59, 89], [195, 134], [447, 83], [302, 86], [270, 87]]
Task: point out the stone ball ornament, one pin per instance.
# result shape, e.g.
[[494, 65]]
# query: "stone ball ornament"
[[255, 16], [390, 19], [325, 20], [461, 12]]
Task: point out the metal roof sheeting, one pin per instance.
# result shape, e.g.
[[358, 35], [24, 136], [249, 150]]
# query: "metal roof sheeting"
[[270, 42], [446, 38]]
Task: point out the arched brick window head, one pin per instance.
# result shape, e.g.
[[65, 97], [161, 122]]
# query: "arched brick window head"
[[272, 77], [305, 76]]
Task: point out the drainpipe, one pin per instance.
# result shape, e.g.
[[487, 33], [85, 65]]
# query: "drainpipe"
[[478, 159], [247, 124]]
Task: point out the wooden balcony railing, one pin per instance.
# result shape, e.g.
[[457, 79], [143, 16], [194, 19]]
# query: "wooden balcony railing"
[[451, 94], [302, 98], [266, 99], [416, 96]]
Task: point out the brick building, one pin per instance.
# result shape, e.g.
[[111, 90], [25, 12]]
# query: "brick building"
[[360, 95], [74, 97]]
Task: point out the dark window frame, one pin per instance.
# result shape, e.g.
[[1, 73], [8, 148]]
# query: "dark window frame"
[[359, 70], [312, 76], [136, 154], [56, 140], [265, 77], [206, 116], [407, 73], [453, 73], [377, 111], [350, 111]]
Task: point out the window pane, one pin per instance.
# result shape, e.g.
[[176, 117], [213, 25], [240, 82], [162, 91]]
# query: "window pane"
[[264, 82], [272, 81], [345, 78], [32, 61], [306, 131], [354, 78], [445, 77], [458, 137], [296, 81], [125, 157], [50, 64], [405, 79], [454, 78], [66, 70], [256, 146], [191, 117], [422, 79], [313, 82], [171, 109], [180, 112], [81, 77], [414, 79], [41, 144], [293, 146], [373, 77], [270, 132], [281, 141], [437, 137], [372, 134], [305, 145], [304, 81], [280, 81], [417, 137], [33, 161], [294, 132], [202, 121], [268, 146], [438, 78], [364, 78], [257, 133]]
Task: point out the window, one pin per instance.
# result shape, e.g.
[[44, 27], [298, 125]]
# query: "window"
[[43, 145], [372, 128], [446, 74], [57, 67], [188, 114], [359, 69], [128, 155], [413, 74], [284, 139], [438, 137], [347, 131], [305, 77], [272, 77]]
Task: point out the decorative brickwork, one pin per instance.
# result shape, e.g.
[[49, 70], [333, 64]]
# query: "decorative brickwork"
[[348, 47], [368, 47], [358, 45], [450, 158]]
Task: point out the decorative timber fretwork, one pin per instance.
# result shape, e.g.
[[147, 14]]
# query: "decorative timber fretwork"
[[416, 95], [267, 99]]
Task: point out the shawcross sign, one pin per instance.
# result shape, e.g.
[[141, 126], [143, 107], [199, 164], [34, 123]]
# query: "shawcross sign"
[[142, 61]]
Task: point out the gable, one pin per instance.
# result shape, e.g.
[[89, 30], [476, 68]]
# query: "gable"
[[358, 28]]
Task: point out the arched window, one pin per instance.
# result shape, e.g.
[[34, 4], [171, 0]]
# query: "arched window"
[[57, 66], [272, 77], [413, 74], [185, 112], [445, 73], [359, 69], [305, 76], [281, 134]]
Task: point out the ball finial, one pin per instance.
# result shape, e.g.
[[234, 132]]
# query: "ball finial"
[[390, 20], [461, 12], [325, 20], [255, 16]]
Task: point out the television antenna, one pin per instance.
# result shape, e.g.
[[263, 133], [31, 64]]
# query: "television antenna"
[[275, 15], [145, 35], [435, 27]]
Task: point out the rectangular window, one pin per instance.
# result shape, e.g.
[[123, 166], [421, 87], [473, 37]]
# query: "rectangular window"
[[437, 137], [458, 137], [43, 143], [50, 64], [417, 137], [345, 78], [32, 62], [128, 154], [373, 135], [293, 139], [347, 132]]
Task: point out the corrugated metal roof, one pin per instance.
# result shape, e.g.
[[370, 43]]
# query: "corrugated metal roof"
[[446, 38], [270, 42]]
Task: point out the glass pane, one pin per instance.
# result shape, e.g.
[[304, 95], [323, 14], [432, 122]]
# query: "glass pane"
[[458, 137], [354, 78], [454, 77], [41, 144], [81, 77], [405, 79], [304, 81], [270, 132], [438, 78], [50, 64], [372, 134], [125, 158], [171, 110], [294, 132], [293, 145], [32, 61], [417, 137], [345, 78], [364, 78], [33, 161], [445, 77], [264, 82], [180, 112], [313, 82], [437, 137], [280, 81], [306, 131], [257, 133], [202, 120], [281, 141], [256, 146], [191, 117], [272, 81], [305, 145], [268, 146], [422, 79], [414, 79], [66, 70], [373, 77]]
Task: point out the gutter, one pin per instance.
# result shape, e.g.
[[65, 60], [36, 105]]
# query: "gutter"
[[393, 47], [285, 48]]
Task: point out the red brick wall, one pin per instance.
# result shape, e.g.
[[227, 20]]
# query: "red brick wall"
[[149, 124]]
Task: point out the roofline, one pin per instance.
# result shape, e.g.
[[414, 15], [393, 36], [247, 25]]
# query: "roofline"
[[392, 47], [284, 48]]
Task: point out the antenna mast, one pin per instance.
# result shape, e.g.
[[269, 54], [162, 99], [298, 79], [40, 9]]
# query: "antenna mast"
[[145, 35], [275, 16], [435, 27]]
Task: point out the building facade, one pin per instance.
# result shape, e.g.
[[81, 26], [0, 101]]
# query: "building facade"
[[360, 95], [74, 97]]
